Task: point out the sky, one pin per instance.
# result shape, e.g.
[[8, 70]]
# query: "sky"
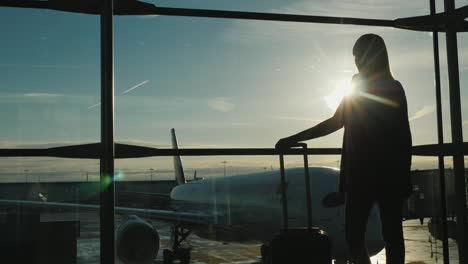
[[218, 82]]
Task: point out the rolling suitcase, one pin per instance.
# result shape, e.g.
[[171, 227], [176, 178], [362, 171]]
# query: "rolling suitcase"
[[299, 244]]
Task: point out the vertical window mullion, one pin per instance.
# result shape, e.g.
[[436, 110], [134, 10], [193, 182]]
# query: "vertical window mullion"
[[107, 136]]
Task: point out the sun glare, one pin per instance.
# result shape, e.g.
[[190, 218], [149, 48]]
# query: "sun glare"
[[342, 89]]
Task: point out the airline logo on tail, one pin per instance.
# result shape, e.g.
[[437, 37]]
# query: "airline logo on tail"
[[178, 169]]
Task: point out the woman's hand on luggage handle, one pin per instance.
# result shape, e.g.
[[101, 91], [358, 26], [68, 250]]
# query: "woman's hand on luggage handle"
[[284, 144]]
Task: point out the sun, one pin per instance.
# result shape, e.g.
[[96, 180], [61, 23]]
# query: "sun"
[[342, 89]]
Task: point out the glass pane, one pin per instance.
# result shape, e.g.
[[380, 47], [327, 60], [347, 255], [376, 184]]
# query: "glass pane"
[[143, 181], [248, 83], [422, 229], [463, 62], [50, 78], [49, 94], [365, 9], [444, 89], [35, 219], [239, 194], [460, 3], [223, 83], [451, 210], [463, 67]]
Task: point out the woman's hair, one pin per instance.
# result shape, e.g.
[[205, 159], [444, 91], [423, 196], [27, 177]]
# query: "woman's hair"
[[372, 54]]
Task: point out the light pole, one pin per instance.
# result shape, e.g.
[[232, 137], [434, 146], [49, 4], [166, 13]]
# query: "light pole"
[[151, 174], [228, 194], [26, 175], [224, 162]]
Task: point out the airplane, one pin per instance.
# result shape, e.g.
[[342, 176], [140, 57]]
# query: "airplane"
[[243, 208]]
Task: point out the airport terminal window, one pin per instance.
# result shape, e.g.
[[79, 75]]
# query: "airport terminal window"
[[220, 83], [47, 234], [463, 62], [206, 103], [237, 73], [49, 93], [447, 130], [50, 78]]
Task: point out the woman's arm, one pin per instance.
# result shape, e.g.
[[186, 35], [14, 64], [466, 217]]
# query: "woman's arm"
[[322, 129]]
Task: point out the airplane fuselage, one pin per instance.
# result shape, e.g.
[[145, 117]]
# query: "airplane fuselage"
[[247, 208]]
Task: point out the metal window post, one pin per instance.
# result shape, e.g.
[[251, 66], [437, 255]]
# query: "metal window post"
[[440, 135], [457, 134], [107, 135]]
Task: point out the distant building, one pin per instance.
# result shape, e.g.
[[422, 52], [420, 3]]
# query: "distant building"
[[425, 199]]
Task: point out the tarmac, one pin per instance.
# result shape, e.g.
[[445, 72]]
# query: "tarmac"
[[420, 246]]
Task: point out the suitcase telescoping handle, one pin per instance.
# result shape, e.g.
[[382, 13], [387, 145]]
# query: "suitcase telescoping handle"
[[307, 188]]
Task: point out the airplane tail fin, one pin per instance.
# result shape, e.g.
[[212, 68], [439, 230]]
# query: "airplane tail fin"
[[178, 169]]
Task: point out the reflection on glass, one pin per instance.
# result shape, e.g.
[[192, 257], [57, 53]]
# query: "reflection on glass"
[[237, 197], [236, 200], [232, 201], [422, 230]]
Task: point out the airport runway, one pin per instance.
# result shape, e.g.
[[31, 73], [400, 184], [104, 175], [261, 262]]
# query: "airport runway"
[[419, 249]]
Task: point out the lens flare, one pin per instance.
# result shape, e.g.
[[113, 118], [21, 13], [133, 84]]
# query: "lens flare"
[[342, 89], [119, 176], [106, 180]]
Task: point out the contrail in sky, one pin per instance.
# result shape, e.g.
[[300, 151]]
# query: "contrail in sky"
[[124, 92], [42, 95], [92, 106], [135, 86], [426, 110]]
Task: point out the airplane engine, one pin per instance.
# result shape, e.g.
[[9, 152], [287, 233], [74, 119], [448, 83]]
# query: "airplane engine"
[[136, 241]]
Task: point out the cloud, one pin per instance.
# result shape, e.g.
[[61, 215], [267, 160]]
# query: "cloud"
[[426, 110], [43, 66], [42, 95], [246, 32], [135, 86], [165, 145], [239, 124], [221, 104], [296, 118]]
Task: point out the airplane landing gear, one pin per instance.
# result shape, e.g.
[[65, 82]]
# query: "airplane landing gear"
[[182, 254], [167, 256], [179, 234]]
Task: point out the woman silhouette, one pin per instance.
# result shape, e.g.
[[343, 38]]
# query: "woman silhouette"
[[376, 152]]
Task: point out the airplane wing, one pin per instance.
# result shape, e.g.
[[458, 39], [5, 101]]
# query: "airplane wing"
[[191, 218], [143, 200], [147, 195]]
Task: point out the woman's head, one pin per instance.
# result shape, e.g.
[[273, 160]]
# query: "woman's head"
[[371, 57]]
